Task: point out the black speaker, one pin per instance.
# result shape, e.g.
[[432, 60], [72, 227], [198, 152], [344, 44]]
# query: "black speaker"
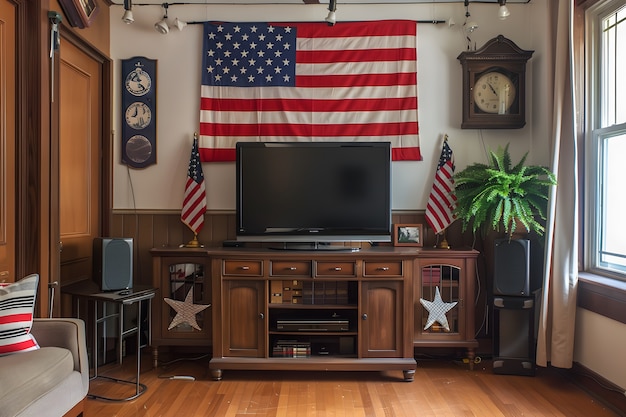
[[511, 274], [113, 263], [514, 335]]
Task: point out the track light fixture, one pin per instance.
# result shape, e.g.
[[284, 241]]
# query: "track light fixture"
[[469, 26], [503, 12], [331, 19], [161, 26], [179, 24], [128, 12]]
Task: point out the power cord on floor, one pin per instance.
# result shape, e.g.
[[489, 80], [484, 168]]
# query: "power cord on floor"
[[180, 377]]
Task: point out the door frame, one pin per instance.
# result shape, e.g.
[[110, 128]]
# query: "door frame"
[[37, 147]]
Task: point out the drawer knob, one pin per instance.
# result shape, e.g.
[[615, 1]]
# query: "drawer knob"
[[383, 268], [292, 268], [245, 268], [337, 268]]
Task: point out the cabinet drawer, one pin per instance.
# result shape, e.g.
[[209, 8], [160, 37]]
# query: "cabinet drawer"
[[243, 268], [290, 269], [335, 269], [388, 269]]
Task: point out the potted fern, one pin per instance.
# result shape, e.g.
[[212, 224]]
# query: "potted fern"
[[501, 196]]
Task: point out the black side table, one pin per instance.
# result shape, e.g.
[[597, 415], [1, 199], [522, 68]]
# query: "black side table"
[[89, 292]]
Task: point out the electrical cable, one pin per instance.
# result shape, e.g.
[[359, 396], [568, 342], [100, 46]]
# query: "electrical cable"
[[180, 377]]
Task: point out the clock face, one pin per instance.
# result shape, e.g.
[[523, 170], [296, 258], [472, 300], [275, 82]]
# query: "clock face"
[[138, 149], [494, 93], [138, 115], [138, 82]]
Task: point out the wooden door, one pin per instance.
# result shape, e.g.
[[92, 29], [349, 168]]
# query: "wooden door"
[[381, 333], [7, 141], [80, 173], [245, 323]]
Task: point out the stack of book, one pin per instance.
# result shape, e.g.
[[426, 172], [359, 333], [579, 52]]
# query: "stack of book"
[[291, 349]]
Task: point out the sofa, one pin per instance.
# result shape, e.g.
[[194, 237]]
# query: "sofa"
[[52, 380]]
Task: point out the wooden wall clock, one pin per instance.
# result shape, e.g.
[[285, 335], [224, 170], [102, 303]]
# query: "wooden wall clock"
[[138, 116], [494, 85]]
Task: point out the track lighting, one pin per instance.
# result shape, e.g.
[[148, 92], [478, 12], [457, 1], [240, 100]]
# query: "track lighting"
[[503, 12], [128, 12], [469, 26], [331, 19], [179, 24], [161, 26]]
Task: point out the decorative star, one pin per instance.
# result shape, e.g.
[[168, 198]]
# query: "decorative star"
[[185, 311], [437, 310]]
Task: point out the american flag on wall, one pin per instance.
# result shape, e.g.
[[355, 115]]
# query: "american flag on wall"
[[194, 200], [355, 81], [442, 201]]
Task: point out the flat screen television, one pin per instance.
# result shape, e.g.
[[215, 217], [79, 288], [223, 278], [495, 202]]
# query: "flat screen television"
[[313, 192]]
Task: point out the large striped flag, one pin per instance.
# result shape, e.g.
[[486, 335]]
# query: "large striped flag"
[[355, 81], [194, 200], [442, 201]]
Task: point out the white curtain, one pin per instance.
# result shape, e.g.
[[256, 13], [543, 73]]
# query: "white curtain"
[[555, 341]]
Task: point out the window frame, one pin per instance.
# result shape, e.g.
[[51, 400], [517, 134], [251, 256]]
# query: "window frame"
[[594, 135]]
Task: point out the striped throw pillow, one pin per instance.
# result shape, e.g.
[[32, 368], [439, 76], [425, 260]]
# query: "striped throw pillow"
[[17, 305]]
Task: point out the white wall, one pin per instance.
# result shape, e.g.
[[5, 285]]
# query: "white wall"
[[160, 186], [600, 345]]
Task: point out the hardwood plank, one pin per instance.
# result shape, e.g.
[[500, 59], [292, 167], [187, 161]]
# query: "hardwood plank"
[[441, 388]]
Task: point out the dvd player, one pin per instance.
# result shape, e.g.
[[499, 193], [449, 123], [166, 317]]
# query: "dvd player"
[[313, 325]]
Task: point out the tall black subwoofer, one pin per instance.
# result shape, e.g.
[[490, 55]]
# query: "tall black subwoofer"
[[513, 309]]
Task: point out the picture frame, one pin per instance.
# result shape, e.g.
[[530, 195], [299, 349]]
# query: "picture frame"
[[408, 234], [79, 13]]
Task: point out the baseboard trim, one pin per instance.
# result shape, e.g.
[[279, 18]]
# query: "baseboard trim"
[[603, 390]]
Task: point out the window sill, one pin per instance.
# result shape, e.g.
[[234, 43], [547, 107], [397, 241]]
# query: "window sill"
[[602, 295]]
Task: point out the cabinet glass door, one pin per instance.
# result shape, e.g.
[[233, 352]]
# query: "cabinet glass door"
[[187, 280], [442, 279]]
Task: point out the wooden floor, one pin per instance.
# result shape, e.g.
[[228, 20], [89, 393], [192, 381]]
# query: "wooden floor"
[[441, 388]]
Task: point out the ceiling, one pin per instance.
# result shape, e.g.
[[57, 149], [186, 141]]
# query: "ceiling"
[[147, 2]]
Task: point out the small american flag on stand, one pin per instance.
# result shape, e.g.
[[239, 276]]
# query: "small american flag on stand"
[[194, 201], [442, 201]]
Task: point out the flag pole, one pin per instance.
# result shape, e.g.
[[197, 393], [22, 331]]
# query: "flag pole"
[[194, 243], [443, 243]]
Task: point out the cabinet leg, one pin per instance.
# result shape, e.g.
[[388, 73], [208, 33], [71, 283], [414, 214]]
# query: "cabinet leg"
[[155, 357], [409, 375], [471, 355], [216, 374]]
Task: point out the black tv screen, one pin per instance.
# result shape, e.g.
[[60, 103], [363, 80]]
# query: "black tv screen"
[[313, 191]]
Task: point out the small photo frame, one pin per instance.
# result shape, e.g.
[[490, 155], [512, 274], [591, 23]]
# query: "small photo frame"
[[408, 234]]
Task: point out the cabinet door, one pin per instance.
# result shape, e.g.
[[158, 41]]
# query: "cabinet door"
[[186, 280], [381, 309], [245, 324], [444, 279]]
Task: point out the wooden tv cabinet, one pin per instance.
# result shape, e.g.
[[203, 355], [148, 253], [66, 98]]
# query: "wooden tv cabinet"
[[327, 310]]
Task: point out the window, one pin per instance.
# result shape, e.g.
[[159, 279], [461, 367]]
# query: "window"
[[606, 115]]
